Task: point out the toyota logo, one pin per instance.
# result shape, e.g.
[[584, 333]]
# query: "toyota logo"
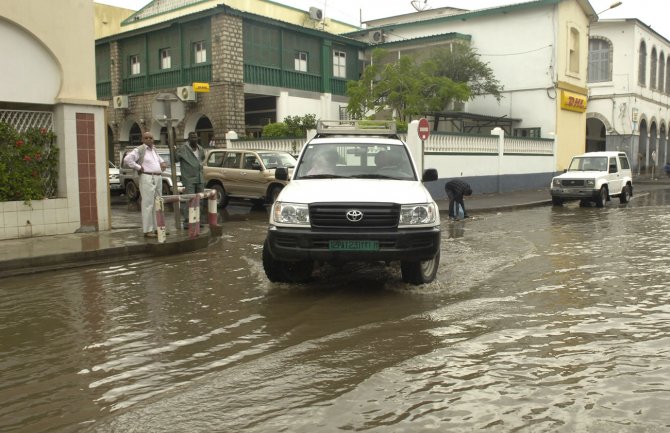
[[354, 215]]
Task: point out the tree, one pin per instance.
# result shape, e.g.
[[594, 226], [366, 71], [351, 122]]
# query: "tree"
[[462, 64], [412, 89]]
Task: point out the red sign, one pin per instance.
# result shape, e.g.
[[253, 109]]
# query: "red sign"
[[424, 129]]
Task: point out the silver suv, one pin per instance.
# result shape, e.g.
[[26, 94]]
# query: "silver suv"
[[246, 174], [594, 177]]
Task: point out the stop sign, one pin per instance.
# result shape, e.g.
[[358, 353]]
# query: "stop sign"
[[424, 129]]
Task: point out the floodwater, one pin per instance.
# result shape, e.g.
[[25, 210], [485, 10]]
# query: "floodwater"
[[541, 320]]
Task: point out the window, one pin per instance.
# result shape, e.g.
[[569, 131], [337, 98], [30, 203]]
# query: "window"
[[134, 63], [652, 69], [339, 64], [667, 75], [661, 71], [301, 61], [199, 52], [642, 65], [527, 132], [573, 59], [600, 60], [166, 58]]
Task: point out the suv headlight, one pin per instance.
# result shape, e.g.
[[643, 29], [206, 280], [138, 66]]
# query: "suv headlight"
[[418, 214], [590, 182], [290, 213], [556, 182]]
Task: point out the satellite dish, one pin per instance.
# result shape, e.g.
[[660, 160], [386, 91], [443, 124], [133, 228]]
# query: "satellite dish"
[[419, 5]]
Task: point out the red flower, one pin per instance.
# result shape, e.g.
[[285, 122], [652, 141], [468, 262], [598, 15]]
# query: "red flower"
[[43, 131], [27, 158], [19, 143]]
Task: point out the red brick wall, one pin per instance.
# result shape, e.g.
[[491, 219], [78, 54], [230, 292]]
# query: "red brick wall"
[[88, 203]]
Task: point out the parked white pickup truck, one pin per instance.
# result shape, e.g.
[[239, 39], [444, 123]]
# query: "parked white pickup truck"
[[594, 177]]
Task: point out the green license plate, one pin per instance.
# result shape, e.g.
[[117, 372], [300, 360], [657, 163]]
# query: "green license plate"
[[353, 245]]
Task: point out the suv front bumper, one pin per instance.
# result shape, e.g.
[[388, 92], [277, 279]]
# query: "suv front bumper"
[[288, 244], [575, 193]]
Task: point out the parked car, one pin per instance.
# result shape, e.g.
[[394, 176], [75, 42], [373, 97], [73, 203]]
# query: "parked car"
[[355, 195], [113, 176], [130, 179], [594, 177], [246, 174]]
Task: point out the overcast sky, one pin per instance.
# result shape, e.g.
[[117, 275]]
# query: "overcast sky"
[[655, 13]]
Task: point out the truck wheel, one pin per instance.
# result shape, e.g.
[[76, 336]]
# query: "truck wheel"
[[274, 193], [132, 192], [285, 272], [221, 197], [602, 197], [420, 272], [625, 194], [557, 201]]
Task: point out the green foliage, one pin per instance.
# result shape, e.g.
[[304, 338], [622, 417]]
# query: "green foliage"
[[291, 127], [412, 89], [28, 164], [275, 130], [298, 126]]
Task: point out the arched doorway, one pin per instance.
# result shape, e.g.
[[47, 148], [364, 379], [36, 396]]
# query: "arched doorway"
[[135, 135], [595, 135], [662, 146], [205, 131], [642, 147]]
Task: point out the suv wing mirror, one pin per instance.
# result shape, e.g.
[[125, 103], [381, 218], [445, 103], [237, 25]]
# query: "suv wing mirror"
[[281, 173]]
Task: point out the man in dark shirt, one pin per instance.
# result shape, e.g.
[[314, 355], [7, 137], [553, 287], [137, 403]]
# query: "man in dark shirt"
[[455, 190]]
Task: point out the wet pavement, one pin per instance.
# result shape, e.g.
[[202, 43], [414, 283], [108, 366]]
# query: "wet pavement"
[[125, 240]]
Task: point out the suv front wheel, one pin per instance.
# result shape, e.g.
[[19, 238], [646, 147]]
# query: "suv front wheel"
[[625, 194], [279, 271], [601, 199], [420, 272]]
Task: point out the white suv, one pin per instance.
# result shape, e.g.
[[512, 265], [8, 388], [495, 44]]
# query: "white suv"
[[594, 177], [355, 195]]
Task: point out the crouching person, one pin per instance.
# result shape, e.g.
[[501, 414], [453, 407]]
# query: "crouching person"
[[455, 190]]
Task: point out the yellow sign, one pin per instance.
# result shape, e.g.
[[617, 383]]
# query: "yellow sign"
[[201, 87], [573, 101]]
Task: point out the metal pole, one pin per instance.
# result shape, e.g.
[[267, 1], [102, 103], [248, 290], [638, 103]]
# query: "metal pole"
[[173, 168]]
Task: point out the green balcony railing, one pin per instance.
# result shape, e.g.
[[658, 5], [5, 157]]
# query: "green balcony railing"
[[199, 74], [104, 89], [136, 84], [166, 79], [302, 81], [339, 86], [262, 75]]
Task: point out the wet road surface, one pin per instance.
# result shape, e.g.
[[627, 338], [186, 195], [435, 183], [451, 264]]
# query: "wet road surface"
[[545, 319]]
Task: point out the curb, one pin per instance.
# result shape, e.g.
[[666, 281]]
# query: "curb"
[[15, 267]]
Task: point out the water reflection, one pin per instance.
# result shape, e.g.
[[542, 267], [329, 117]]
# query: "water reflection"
[[547, 319]]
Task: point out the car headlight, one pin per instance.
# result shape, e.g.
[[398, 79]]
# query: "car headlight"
[[590, 182], [417, 214], [556, 182], [290, 213]]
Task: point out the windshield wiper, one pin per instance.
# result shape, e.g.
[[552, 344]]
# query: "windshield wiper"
[[321, 176]]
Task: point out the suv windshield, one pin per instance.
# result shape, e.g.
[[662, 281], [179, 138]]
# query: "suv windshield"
[[277, 159], [589, 163], [355, 160]]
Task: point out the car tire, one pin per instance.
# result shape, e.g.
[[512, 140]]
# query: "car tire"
[[279, 271], [420, 272], [221, 197], [273, 194], [132, 192], [557, 201], [625, 194], [601, 199]]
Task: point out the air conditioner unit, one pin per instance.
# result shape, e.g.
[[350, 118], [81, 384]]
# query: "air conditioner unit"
[[120, 101], [186, 93], [376, 37], [315, 14]]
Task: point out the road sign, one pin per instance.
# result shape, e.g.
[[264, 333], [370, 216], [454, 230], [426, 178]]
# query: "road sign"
[[424, 129], [167, 108]]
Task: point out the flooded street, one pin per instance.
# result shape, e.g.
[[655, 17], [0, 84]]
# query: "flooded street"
[[540, 320]]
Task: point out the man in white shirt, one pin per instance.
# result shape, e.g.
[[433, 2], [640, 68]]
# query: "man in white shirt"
[[150, 165]]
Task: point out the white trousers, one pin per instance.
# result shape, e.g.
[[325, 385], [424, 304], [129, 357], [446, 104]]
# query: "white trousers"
[[151, 186]]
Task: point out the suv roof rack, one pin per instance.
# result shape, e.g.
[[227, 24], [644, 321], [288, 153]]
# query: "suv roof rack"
[[356, 127]]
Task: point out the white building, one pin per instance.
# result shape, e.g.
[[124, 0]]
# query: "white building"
[[629, 91], [48, 81]]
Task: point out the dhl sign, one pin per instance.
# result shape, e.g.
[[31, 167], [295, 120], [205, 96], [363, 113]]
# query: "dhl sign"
[[573, 101], [201, 87]]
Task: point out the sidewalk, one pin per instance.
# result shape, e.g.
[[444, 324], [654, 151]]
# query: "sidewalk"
[[126, 242]]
